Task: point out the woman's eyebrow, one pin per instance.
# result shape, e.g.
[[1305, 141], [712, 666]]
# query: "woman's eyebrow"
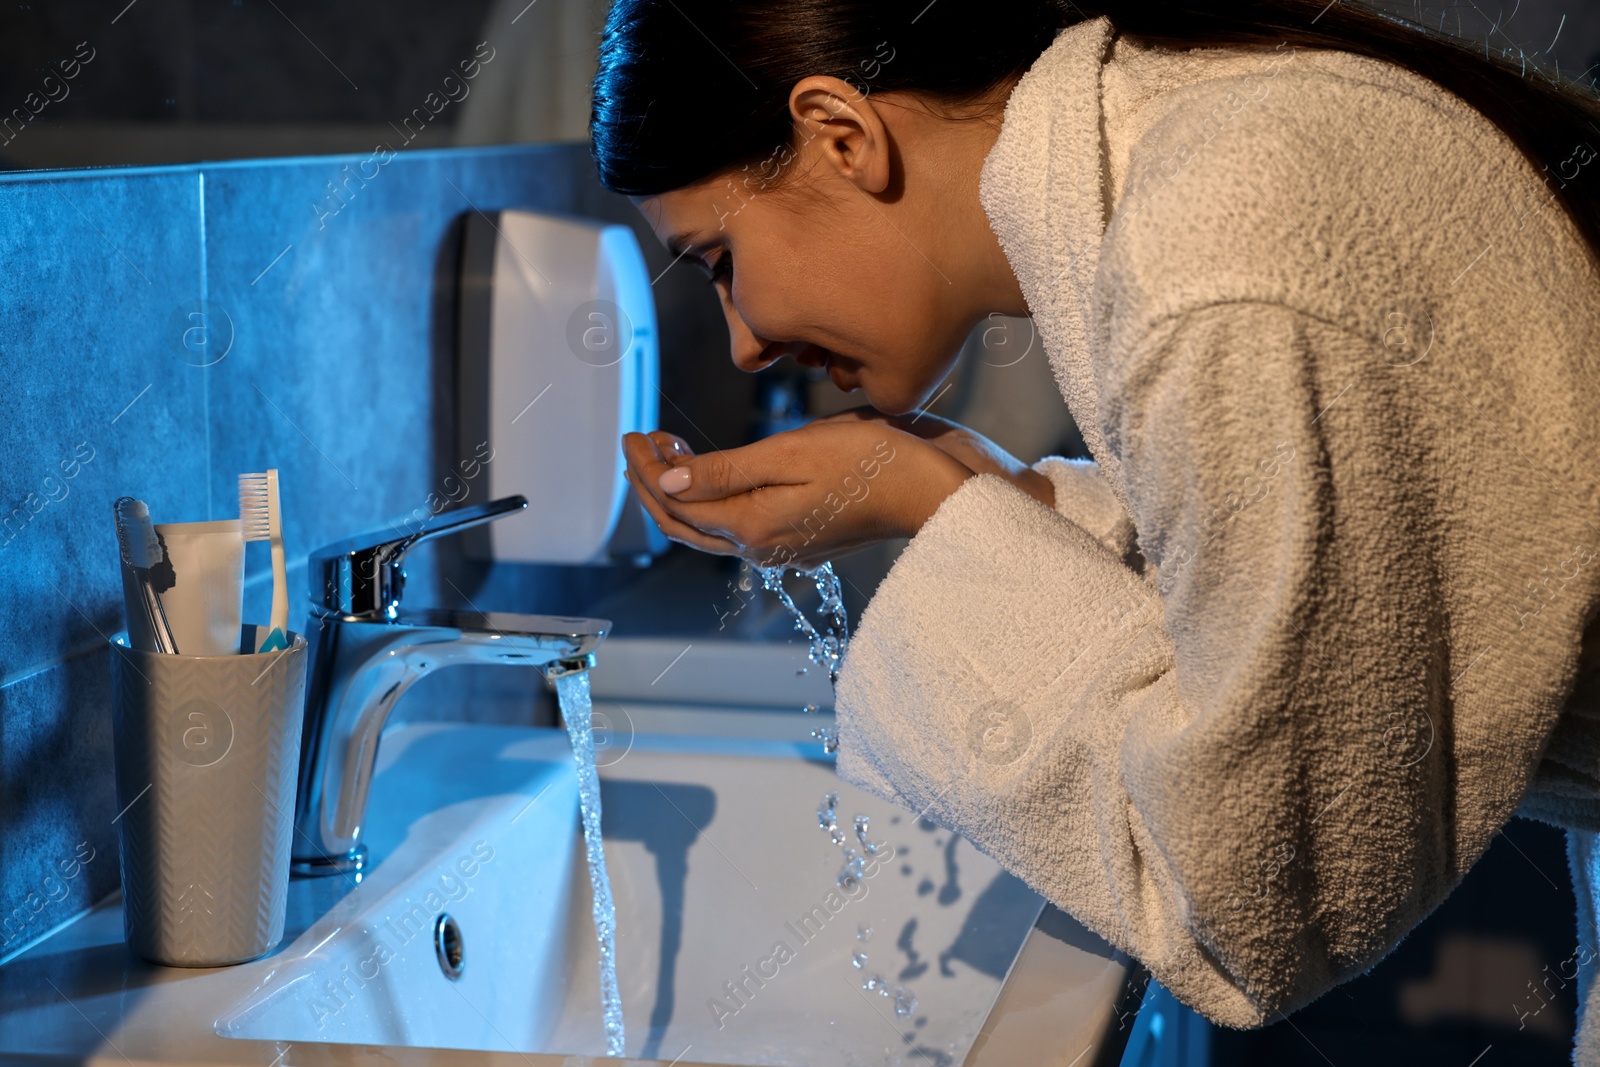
[[679, 246]]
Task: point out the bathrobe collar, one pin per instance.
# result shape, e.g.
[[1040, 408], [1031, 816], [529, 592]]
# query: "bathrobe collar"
[[1043, 187]]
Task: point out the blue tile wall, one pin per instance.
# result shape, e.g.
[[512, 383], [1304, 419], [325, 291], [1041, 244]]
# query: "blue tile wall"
[[326, 350]]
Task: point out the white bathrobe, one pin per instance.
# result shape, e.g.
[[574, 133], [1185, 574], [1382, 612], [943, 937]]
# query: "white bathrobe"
[[1307, 632]]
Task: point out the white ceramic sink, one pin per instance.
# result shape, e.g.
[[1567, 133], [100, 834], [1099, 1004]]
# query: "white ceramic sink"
[[734, 940]]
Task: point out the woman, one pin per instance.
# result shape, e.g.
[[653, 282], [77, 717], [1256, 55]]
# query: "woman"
[[1250, 692]]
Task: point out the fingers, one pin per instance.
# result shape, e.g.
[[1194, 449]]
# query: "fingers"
[[673, 448], [677, 530], [705, 523], [728, 473], [645, 464]]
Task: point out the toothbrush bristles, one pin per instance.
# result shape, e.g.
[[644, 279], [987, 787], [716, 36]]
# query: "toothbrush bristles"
[[255, 507], [136, 537]]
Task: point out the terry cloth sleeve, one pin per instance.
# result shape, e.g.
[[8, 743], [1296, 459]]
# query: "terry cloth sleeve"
[[1083, 496], [1226, 768]]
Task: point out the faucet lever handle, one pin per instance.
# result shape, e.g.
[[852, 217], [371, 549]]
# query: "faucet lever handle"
[[362, 576]]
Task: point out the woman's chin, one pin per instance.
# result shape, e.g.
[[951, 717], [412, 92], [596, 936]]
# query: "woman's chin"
[[894, 405], [884, 405]]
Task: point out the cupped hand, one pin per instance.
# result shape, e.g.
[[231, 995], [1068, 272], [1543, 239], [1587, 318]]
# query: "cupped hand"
[[797, 498], [974, 451]]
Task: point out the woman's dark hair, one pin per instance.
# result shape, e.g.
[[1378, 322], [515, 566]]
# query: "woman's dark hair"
[[689, 89]]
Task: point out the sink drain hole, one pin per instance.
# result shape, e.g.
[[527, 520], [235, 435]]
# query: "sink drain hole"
[[447, 943]]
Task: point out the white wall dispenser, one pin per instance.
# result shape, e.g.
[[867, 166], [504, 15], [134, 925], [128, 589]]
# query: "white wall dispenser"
[[558, 359]]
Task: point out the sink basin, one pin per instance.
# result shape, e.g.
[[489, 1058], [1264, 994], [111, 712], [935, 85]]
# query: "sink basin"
[[734, 939], [735, 942]]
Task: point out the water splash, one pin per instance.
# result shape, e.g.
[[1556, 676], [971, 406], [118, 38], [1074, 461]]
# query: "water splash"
[[904, 1002], [572, 691], [826, 817], [855, 864], [828, 644], [868, 846], [827, 649]]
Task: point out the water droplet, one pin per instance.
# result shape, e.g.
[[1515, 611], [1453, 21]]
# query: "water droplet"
[[825, 812], [863, 933], [904, 1002], [858, 960], [811, 709], [871, 848], [854, 863]]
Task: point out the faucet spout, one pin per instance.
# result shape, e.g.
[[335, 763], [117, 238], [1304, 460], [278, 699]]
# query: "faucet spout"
[[363, 668], [370, 650]]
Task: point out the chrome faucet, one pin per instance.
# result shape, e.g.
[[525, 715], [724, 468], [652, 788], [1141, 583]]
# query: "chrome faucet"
[[369, 651]]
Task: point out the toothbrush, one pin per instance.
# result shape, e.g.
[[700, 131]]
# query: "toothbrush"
[[141, 549], [262, 520]]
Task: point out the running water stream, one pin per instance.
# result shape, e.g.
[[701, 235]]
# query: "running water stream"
[[572, 691]]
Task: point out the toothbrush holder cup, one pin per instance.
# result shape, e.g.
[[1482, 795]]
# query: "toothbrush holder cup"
[[207, 750]]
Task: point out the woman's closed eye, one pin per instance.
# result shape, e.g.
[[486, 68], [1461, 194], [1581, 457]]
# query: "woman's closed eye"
[[723, 267]]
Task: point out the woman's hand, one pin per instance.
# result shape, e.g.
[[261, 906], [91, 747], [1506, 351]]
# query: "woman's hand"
[[975, 451], [797, 498]]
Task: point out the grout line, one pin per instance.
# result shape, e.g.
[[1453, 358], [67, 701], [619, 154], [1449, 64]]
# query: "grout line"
[[25, 673], [51, 932], [205, 302], [18, 676], [449, 154]]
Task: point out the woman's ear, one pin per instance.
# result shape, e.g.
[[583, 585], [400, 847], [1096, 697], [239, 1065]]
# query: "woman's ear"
[[839, 125]]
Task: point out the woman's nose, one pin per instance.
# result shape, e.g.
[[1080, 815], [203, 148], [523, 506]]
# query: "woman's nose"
[[750, 352]]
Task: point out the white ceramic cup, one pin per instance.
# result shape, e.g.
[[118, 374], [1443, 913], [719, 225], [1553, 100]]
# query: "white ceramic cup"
[[206, 753]]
